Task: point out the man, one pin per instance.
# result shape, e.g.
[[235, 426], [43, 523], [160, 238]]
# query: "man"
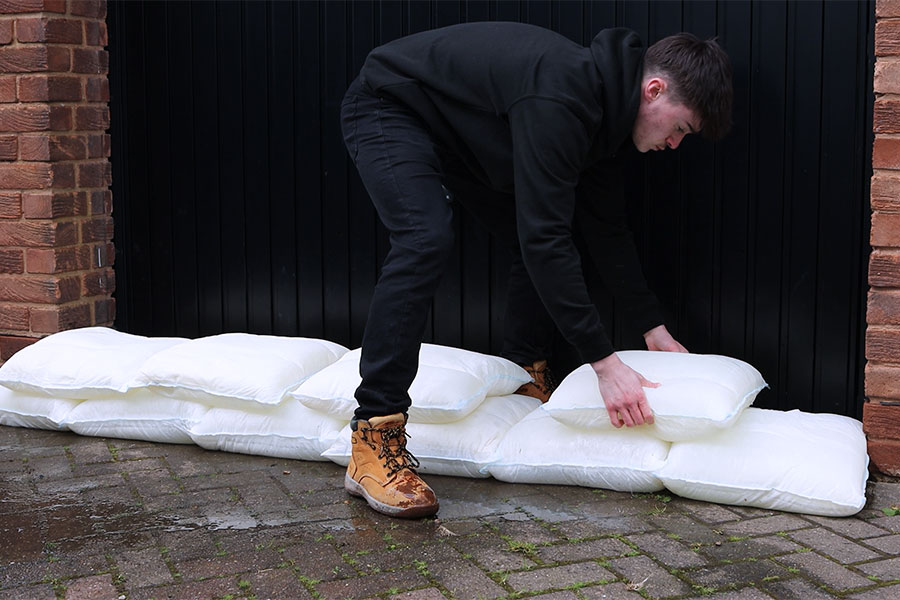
[[526, 129]]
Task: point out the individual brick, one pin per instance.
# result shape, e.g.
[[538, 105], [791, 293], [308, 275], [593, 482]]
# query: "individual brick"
[[58, 260], [887, 37], [27, 6], [9, 147], [32, 59], [880, 420], [90, 61], [883, 343], [884, 268], [43, 290], [886, 153], [13, 317], [50, 88], [52, 319], [12, 261], [34, 234], [9, 345], [10, 205], [885, 229], [53, 30], [7, 89], [826, 571]]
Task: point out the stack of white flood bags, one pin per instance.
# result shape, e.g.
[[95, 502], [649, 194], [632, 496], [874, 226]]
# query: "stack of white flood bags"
[[294, 397], [705, 442], [462, 406], [224, 392]]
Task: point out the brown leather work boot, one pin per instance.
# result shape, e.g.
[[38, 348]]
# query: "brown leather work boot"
[[382, 470], [543, 384]]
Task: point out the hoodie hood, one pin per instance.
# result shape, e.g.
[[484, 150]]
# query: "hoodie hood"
[[619, 57]]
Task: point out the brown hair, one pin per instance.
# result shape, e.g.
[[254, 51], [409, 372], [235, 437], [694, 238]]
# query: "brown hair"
[[699, 76]]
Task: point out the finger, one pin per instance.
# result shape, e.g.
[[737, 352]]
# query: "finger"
[[627, 418], [614, 417], [647, 383], [681, 348], [644, 407]]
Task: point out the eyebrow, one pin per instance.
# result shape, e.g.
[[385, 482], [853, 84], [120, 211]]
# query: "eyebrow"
[[690, 127]]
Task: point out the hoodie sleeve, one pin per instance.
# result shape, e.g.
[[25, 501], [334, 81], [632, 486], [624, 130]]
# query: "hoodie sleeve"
[[601, 218], [550, 143]]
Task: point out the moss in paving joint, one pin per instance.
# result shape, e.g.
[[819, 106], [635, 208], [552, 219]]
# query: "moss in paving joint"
[[673, 536], [737, 538], [310, 585], [704, 590]]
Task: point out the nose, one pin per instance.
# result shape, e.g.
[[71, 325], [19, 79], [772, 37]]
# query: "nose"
[[674, 140]]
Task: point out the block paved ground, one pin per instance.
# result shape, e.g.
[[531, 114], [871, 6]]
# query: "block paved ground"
[[94, 518]]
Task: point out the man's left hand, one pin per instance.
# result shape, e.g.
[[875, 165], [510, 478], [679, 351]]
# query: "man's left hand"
[[660, 339]]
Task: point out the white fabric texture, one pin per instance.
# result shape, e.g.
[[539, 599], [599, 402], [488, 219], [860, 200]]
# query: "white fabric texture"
[[237, 368], [18, 409], [288, 430], [81, 363], [137, 415], [792, 461], [698, 394], [463, 448], [449, 385], [540, 449]]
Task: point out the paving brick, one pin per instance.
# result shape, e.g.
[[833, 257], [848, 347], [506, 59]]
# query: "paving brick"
[[216, 566], [423, 594], [750, 548], [709, 513], [831, 544], [765, 525], [609, 591], [527, 532], [748, 593], [155, 482], [604, 548], [825, 571], [96, 587], [657, 582], [589, 528], [891, 592], [21, 572], [370, 585], [888, 523], [550, 578], [277, 583], [882, 494], [142, 568], [210, 588], [739, 573], [668, 551], [464, 580], [687, 529], [889, 544], [855, 528], [492, 553], [564, 595], [123, 466], [318, 560], [885, 570], [42, 591], [795, 589], [65, 566]]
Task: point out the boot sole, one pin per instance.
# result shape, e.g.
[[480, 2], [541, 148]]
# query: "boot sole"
[[354, 488]]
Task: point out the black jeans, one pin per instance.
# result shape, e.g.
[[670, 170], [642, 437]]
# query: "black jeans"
[[401, 168]]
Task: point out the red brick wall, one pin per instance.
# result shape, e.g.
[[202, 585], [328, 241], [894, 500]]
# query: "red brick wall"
[[881, 414], [55, 205]]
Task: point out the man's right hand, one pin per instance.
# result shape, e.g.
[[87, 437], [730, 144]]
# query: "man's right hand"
[[623, 393]]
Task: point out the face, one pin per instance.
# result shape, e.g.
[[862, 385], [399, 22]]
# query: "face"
[[661, 123]]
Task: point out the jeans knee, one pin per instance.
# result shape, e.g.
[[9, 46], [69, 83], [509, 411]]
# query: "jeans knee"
[[436, 246]]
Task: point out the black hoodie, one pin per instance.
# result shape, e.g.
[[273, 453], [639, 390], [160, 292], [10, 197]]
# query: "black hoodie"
[[532, 113]]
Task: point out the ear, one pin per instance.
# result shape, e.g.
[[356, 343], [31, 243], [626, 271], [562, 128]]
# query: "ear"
[[654, 88]]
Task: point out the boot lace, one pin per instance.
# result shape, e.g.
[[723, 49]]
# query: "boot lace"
[[543, 379], [395, 455]]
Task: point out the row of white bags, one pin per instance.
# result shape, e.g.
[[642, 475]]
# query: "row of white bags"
[[273, 396]]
